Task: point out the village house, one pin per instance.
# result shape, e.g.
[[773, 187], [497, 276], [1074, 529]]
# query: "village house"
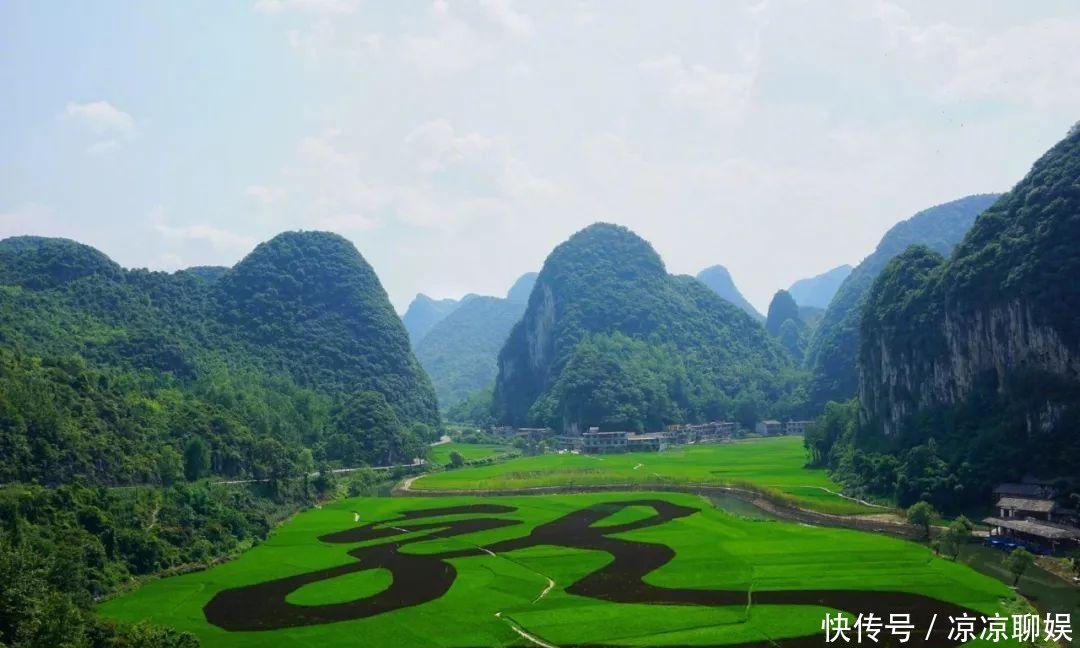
[[1029, 516], [648, 442], [769, 428], [596, 442], [796, 427], [684, 433]]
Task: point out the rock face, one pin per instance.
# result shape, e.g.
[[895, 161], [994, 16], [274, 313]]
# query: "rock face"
[[1002, 315], [833, 348], [609, 338], [719, 280], [818, 290]]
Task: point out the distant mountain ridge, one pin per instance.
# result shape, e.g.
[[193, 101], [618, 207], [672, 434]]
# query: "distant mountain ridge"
[[833, 347], [718, 279], [819, 290], [423, 313]]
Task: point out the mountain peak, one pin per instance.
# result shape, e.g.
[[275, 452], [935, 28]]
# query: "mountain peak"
[[819, 290], [39, 262], [718, 279]]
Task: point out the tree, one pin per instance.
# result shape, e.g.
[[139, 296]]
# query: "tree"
[[921, 514], [456, 460], [954, 538], [746, 412], [196, 458], [1018, 562]]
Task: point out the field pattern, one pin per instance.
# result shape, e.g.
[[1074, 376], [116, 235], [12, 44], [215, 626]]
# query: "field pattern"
[[569, 570], [775, 465]]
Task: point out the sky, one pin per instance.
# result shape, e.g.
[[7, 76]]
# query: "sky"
[[456, 143]]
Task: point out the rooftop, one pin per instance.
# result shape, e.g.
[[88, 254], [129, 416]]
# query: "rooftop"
[[1027, 504], [1036, 528]]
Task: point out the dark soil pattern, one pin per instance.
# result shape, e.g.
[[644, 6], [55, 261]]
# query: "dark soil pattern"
[[419, 579]]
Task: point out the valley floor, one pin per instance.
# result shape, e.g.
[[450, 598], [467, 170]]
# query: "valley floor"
[[614, 569]]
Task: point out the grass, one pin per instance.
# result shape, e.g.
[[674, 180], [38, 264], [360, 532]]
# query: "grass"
[[440, 454], [775, 465], [713, 550]]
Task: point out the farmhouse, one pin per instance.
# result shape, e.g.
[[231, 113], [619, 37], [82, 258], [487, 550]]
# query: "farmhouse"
[[1029, 516], [532, 435], [597, 442], [769, 428], [683, 433], [652, 441], [796, 427]]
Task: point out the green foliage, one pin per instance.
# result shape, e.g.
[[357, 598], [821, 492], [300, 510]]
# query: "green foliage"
[[782, 308], [456, 459], [291, 360], [460, 352], [1017, 562], [832, 350], [196, 459], [961, 416], [955, 536], [107, 376], [367, 427], [922, 514], [610, 339], [474, 410], [61, 549], [317, 304]]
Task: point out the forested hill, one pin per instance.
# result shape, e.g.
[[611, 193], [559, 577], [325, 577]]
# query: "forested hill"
[[460, 353], [719, 280], [108, 375], [609, 338], [982, 352], [833, 346]]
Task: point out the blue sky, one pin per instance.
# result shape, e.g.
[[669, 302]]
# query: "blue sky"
[[457, 143]]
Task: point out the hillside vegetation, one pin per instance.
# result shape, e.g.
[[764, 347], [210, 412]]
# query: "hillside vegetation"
[[609, 338]]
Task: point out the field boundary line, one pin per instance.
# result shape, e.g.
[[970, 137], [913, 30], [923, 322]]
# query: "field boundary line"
[[524, 635]]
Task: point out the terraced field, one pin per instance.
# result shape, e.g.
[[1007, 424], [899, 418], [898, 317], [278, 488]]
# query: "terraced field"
[[775, 464], [626, 569]]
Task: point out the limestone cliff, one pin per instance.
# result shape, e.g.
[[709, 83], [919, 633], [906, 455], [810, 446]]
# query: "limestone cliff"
[[1001, 316]]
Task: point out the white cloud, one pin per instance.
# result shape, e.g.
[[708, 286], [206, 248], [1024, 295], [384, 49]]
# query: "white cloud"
[[310, 7], [696, 87], [438, 145], [217, 237], [264, 194], [31, 218], [452, 46], [514, 23], [1037, 64], [518, 181], [101, 118], [104, 121]]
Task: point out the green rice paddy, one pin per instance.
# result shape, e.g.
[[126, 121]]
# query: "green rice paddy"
[[775, 465], [495, 595], [440, 454]]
